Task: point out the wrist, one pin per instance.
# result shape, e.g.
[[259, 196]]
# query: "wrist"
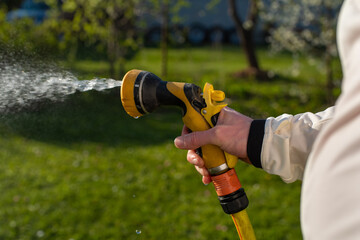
[[255, 142]]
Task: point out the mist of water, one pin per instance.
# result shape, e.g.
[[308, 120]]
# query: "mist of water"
[[24, 81]]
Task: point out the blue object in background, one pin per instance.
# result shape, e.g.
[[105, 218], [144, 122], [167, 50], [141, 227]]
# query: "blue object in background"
[[29, 9]]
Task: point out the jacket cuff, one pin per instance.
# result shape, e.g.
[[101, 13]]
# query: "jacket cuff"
[[255, 142]]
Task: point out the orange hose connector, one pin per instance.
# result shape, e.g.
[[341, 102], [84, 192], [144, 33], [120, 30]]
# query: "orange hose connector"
[[226, 183]]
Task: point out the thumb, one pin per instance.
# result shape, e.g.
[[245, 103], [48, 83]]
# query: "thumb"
[[193, 140]]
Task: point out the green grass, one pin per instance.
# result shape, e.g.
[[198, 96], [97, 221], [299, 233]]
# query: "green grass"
[[83, 169]]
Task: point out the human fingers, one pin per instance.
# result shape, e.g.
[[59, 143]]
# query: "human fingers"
[[230, 116], [203, 171], [195, 159], [206, 180], [194, 140], [199, 164]]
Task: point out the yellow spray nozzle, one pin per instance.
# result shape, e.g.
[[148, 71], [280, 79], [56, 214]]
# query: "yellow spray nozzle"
[[127, 93], [142, 92]]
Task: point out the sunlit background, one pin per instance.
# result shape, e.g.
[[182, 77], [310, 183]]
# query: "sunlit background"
[[74, 165]]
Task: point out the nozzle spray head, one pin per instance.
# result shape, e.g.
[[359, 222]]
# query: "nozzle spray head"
[[142, 92], [128, 93]]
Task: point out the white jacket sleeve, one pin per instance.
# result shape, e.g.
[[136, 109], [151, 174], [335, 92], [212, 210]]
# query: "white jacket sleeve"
[[330, 197], [288, 141]]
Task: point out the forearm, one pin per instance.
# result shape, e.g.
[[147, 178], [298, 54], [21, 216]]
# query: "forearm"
[[282, 145]]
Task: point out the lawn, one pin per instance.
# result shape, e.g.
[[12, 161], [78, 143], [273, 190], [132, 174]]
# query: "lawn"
[[84, 169]]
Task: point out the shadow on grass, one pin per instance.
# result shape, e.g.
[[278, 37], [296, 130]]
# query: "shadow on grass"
[[93, 117]]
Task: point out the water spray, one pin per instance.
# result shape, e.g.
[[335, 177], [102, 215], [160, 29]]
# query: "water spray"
[[23, 83], [142, 92]]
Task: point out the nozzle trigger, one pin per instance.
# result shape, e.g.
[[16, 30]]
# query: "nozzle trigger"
[[214, 100]]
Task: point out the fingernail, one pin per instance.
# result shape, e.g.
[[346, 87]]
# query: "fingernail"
[[177, 141], [195, 161], [203, 181]]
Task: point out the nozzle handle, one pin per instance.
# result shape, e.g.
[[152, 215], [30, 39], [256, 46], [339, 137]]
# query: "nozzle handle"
[[143, 92]]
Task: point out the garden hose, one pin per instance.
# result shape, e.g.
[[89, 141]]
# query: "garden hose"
[[142, 92]]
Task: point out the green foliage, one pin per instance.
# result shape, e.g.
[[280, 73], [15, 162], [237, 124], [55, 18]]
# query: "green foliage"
[[84, 169], [155, 8], [106, 26], [25, 35]]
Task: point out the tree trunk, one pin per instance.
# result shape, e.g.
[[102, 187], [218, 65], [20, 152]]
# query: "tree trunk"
[[72, 54], [248, 46], [111, 57], [164, 38], [245, 35], [112, 50]]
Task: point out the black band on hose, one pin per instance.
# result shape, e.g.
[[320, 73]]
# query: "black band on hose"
[[234, 202]]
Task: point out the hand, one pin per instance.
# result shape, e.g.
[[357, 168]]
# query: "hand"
[[230, 134]]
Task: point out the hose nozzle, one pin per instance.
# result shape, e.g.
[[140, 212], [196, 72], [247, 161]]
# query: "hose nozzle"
[[142, 92], [130, 93]]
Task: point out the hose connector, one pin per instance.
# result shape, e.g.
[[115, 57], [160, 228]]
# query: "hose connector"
[[231, 195]]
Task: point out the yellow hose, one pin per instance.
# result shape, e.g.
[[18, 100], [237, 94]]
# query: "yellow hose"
[[243, 225]]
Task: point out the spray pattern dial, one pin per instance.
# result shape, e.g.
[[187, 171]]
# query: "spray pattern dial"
[[214, 100]]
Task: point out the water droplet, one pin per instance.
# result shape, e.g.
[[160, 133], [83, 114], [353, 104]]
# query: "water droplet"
[[76, 163], [12, 224], [138, 231], [16, 198], [95, 178], [40, 233], [115, 188]]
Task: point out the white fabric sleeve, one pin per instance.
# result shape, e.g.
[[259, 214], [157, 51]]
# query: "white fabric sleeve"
[[288, 141], [330, 198]]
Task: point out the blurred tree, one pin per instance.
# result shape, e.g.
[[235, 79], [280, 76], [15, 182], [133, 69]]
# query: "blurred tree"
[[25, 36], [107, 25], [309, 27], [245, 29], [168, 12], [165, 18]]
